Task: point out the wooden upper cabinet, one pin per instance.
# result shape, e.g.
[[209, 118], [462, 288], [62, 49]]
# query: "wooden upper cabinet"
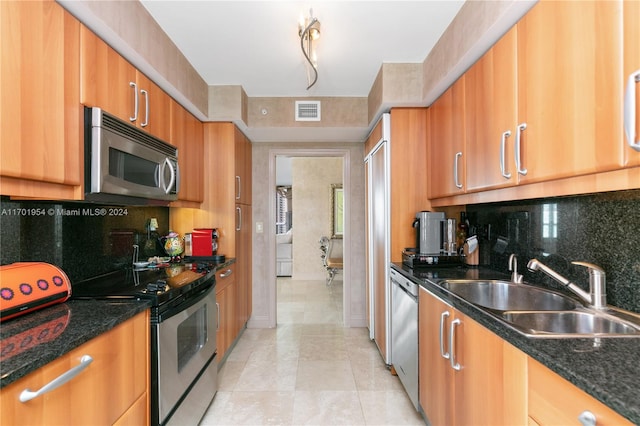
[[569, 80], [154, 107], [242, 161], [408, 159], [491, 103], [106, 77], [110, 82], [41, 145], [631, 27], [446, 140], [187, 135]]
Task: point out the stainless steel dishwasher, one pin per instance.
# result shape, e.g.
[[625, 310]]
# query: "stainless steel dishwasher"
[[404, 333]]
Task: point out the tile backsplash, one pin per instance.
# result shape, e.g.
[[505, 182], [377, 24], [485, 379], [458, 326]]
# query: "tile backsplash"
[[85, 240], [603, 229]]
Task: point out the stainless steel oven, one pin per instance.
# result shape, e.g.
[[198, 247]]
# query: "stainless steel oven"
[[183, 328], [183, 359]]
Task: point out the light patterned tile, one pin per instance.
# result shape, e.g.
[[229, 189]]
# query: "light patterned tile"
[[389, 407], [327, 408], [325, 375]]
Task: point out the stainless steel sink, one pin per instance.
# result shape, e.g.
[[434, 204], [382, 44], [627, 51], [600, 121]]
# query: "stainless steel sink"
[[507, 296], [570, 324]]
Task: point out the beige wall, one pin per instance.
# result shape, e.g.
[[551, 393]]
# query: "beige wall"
[[312, 179]]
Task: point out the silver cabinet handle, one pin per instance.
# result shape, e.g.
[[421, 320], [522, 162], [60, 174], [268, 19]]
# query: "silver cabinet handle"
[[630, 108], [146, 108], [27, 395], [443, 354], [218, 309], [521, 128], [587, 418], [455, 170], [239, 211], [503, 141], [238, 187], [226, 273], [452, 339], [135, 101]]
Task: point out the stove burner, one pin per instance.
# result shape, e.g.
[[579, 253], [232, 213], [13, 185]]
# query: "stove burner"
[[157, 287]]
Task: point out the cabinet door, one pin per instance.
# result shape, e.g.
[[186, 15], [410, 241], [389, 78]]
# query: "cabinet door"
[[243, 256], [187, 135], [110, 82], [106, 77], [226, 295], [569, 80], [242, 161], [490, 92], [408, 160], [446, 143], [436, 375], [154, 108], [481, 355], [545, 408], [378, 235], [631, 26], [40, 127]]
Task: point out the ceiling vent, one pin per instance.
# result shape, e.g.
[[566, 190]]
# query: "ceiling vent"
[[307, 110]]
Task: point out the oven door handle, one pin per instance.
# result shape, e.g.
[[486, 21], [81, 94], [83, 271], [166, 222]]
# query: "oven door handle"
[[194, 299]]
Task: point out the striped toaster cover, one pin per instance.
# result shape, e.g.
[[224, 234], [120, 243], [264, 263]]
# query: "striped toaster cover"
[[29, 286]]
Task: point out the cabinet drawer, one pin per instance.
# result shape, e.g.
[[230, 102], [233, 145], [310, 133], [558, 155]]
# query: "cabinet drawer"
[[546, 408], [225, 277], [100, 394]]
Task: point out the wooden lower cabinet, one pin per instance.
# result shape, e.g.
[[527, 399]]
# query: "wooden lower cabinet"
[[496, 384], [134, 415], [243, 260], [555, 401], [227, 299], [112, 384], [489, 388]]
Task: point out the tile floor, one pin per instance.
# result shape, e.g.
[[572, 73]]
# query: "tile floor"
[[310, 370]]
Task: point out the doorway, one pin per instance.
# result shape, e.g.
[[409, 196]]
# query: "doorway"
[[312, 248], [305, 204]]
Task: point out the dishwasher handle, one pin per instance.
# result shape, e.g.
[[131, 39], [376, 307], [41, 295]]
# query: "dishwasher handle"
[[405, 284], [404, 289]]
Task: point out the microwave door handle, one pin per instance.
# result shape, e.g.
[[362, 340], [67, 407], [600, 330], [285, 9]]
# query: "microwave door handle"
[[167, 188], [177, 177]]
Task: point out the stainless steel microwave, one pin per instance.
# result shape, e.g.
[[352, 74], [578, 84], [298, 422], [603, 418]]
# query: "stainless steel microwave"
[[124, 165]]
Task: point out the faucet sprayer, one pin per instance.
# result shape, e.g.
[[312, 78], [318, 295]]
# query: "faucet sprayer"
[[597, 296]]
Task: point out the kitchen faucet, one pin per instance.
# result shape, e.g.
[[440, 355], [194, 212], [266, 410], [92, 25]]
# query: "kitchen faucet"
[[513, 266], [597, 296]]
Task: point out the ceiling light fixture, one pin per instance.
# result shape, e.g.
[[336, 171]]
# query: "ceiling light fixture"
[[309, 32]]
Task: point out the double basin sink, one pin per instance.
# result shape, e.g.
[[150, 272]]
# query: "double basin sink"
[[538, 312]]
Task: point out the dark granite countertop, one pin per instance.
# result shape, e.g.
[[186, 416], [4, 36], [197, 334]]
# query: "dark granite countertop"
[[607, 368], [33, 340]]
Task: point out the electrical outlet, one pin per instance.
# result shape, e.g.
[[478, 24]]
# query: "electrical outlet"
[[259, 227]]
